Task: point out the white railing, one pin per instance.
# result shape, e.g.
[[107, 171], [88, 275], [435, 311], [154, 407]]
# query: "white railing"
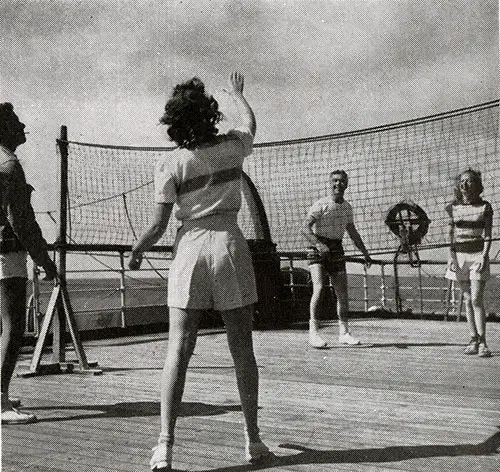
[[424, 294]]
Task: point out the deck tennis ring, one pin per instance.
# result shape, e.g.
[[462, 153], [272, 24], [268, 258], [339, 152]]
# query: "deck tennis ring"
[[408, 221]]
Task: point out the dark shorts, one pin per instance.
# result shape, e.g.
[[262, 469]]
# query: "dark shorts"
[[333, 261]]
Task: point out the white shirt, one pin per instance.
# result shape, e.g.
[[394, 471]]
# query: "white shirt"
[[330, 218], [204, 181]]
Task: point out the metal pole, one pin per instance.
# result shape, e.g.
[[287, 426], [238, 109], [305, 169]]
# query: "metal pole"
[[383, 286], [365, 286], [59, 328], [123, 300], [421, 291], [292, 281]]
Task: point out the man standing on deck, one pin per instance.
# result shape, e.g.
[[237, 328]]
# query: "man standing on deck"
[[328, 219], [19, 234]]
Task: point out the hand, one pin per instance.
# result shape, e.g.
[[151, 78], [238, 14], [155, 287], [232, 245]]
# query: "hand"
[[135, 260], [453, 264], [322, 248], [236, 82], [50, 271], [368, 261], [482, 264]]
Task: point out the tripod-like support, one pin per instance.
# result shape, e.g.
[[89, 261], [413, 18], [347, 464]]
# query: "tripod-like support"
[[60, 303]]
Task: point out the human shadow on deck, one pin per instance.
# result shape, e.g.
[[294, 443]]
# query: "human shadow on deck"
[[370, 455], [134, 409]]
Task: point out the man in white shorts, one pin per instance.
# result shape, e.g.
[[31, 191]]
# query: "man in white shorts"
[[19, 235], [328, 219]]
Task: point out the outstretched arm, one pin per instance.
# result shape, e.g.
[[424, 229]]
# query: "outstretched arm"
[[236, 83], [356, 239], [151, 236]]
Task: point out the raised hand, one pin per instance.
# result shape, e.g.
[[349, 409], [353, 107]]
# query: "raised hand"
[[236, 82]]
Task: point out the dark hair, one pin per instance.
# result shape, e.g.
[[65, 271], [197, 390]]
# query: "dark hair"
[[6, 114], [191, 115], [476, 178], [341, 172]]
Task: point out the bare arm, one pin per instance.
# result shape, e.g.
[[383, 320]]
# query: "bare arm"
[[152, 234], [247, 117], [356, 239], [487, 238]]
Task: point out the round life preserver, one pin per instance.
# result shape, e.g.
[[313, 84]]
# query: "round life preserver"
[[408, 221]]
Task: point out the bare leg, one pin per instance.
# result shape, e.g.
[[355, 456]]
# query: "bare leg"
[[183, 330], [339, 281], [477, 301], [239, 336], [12, 308], [318, 280], [465, 287]]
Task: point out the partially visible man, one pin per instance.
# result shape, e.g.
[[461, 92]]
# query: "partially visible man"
[[19, 234]]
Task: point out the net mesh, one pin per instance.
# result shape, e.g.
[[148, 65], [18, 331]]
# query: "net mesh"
[[111, 187]]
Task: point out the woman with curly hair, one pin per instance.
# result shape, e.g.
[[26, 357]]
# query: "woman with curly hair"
[[471, 221], [212, 265]]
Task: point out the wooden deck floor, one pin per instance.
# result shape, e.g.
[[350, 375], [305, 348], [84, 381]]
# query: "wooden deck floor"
[[406, 400]]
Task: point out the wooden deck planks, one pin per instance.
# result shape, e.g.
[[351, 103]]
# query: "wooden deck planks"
[[406, 400]]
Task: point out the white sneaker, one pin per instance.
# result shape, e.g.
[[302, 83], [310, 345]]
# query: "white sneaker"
[[346, 338], [316, 341], [255, 451], [14, 416], [162, 457]]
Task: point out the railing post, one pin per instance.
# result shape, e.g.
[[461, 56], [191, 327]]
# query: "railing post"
[[365, 286], [383, 298], [421, 292], [292, 280], [123, 298]]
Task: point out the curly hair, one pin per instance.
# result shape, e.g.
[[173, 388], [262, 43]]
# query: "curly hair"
[[476, 178], [191, 115]]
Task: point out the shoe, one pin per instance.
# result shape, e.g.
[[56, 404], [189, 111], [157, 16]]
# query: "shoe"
[[162, 457], [346, 338], [316, 341], [472, 347], [256, 451], [483, 351], [14, 416]]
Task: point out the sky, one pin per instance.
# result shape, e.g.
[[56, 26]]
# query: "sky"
[[106, 68]]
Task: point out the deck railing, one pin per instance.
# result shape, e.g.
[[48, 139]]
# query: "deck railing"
[[119, 297]]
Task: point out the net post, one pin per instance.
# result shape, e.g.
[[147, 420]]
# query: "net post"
[[59, 327], [59, 300]]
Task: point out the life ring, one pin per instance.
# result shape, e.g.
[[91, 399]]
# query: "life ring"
[[408, 221]]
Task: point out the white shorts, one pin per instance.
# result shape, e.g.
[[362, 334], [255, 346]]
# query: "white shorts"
[[13, 264], [468, 264], [212, 266]]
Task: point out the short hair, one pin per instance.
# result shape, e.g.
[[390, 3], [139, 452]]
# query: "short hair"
[[476, 178], [191, 114], [6, 114], [341, 172]]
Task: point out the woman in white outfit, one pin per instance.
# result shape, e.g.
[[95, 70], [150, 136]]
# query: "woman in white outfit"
[[212, 266]]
